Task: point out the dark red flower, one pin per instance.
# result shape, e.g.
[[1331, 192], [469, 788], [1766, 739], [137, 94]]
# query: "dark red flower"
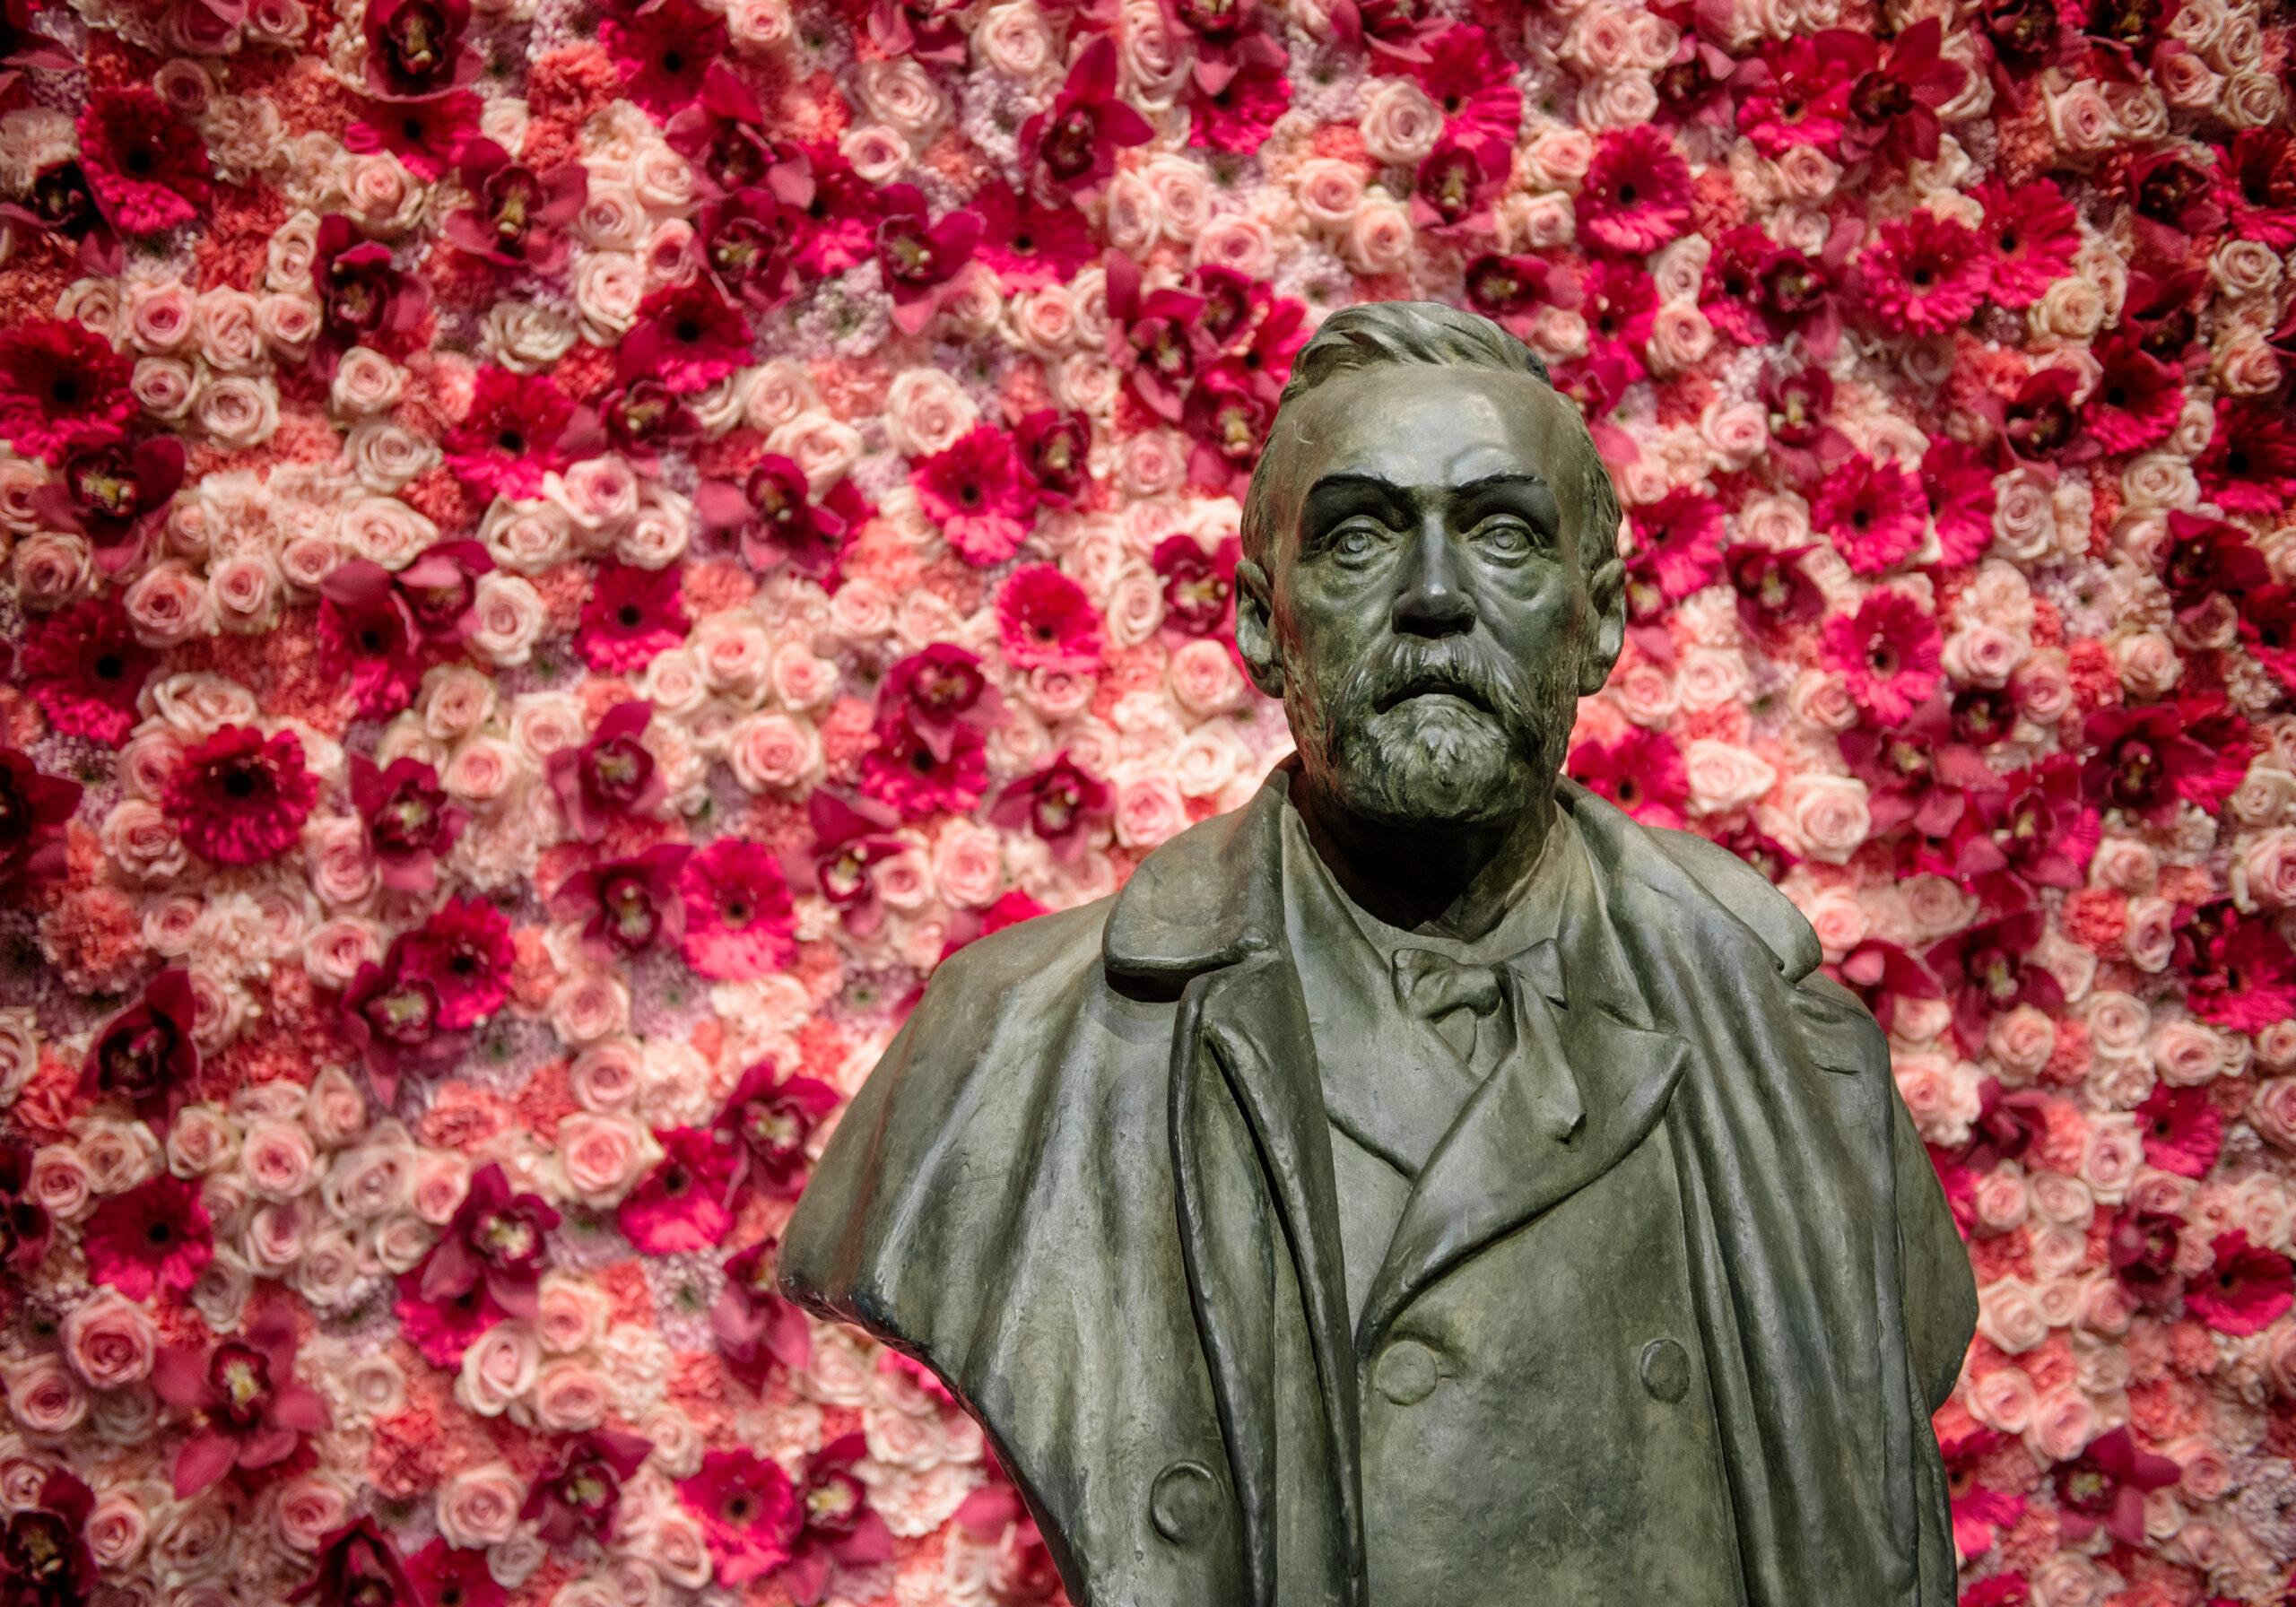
[[934, 692], [1054, 449], [2182, 1128], [1682, 535], [644, 418], [2268, 628], [662, 50], [2241, 974], [1228, 414], [748, 240], [850, 840], [2106, 1485], [62, 205], [1029, 244], [1149, 336], [841, 215], [2204, 558], [1199, 586], [2247, 1290], [442, 1329], [1799, 93], [628, 906], [154, 1238], [1979, 1512], [517, 218], [757, 1330], [2137, 398], [464, 952], [2033, 831], [44, 1556], [1393, 31], [449, 1576], [2172, 197], [687, 337], [1238, 116], [240, 797], [146, 1055], [1470, 81], [415, 49], [1987, 971], [1916, 770], [1774, 591], [34, 807], [1641, 773], [723, 135], [2039, 423], [632, 615], [2032, 236], [364, 301], [357, 1568], [59, 381], [440, 589], [84, 668], [838, 1527], [919, 257], [1069, 148], [683, 1204], [391, 1013], [2143, 1249], [148, 170], [1888, 653], [2256, 184], [496, 1240], [768, 1119], [1881, 973], [1620, 304], [579, 1496], [113, 489], [2147, 761], [242, 1393], [2250, 465], [1063, 804], [410, 821], [26, 1231], [1959, 482], [368, 638], [771, 517], [919, 777], [1459, 181], [611, 777], [928, 30], [1509, 290], [429, 137], [1893, 105], [739, 917], [519, 427]]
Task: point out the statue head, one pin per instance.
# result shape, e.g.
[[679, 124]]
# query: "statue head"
[[1430, 579]]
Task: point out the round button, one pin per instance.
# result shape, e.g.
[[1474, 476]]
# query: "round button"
[[1184, 1502], [1406, 1373], [1666, 1369]]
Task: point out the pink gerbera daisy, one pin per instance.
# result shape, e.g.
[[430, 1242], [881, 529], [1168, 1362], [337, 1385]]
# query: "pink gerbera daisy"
[[240, 797], [155, 1237], [2137, 399], [1637, 193], [1642, 772], [632, 615], [2248, 1289], [738, 915], [1875, 513], [663, 52], [58, 381], [749, 1514], [1888, 653], [975, 492], [1924, 273], [1046, 622], [2182, 1128], [921, 776], [149, 172], [688, 336], [1682, 535], [464, 953]]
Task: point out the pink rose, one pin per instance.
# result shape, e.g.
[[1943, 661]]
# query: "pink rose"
[[569, 1316], [498, 1369], [110, 1341], [2023, 1039], [2064, 1422], [602, 1156], [277, 1158], [768, 750], [1838, 918], [2004, 1400], [2001, 1201], [45, 1399], [1724, 776], [969, 864], [311, 1508], [117, 1529], [1204, 678], [1148, 810], [2009, 1318], [480, 1505], [569, 1396], [2115, 1151], [588, 1007], [608, 1075], [1827, 816]]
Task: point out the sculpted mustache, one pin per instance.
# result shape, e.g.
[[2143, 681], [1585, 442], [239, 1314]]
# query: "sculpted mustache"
[[1417, 669]]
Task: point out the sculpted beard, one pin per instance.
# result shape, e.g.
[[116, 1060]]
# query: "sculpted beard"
[[1393, 750]]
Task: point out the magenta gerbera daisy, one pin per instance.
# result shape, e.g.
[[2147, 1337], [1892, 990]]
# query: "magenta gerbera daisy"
[[2248, 1289], [2032, 236], [664, 51], [1046, 622], [240, 797], [749, 1514], [1923, 274], [464, 953], [148, 170], [59, 382], [1875, 513], [156, 1237], [84, 668], [1888, 653], [975, 491], [1642, 772], [688, 337], [633, 615], [1637, 193], [738, 914], [682, 1202]]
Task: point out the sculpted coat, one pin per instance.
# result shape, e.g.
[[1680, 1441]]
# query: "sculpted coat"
[[1091, 1186]]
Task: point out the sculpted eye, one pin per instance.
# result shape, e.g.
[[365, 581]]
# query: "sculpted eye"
[[1355, 542], [1509, 537]]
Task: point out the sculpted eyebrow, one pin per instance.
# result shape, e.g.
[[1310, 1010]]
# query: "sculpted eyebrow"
[[1333, 493]]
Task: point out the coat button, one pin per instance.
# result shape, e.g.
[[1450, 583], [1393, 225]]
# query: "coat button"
[[1666, 1369], [1184, 1502], [1406, 1372]]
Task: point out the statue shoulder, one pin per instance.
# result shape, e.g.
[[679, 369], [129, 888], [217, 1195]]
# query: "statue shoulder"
[[1745, 893]]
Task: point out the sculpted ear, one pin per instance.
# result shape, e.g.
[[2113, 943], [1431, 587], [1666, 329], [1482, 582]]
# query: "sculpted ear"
[[1606, 589], [1255, 627]]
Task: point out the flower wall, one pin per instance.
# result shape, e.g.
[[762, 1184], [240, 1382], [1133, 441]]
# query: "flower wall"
[[559, 557]]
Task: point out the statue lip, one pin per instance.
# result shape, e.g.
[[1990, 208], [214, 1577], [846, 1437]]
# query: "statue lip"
[[1429, 686]]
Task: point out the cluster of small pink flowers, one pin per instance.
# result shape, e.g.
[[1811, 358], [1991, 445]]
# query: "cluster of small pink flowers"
[[557, 559]]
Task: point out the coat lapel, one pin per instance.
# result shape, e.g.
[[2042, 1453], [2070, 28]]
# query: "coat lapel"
[[1507, 1158]]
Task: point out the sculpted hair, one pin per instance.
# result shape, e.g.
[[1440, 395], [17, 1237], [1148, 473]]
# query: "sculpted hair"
[[1378, 333]]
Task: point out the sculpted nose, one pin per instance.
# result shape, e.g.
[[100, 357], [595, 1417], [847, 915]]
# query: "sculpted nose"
[[1430, 598]]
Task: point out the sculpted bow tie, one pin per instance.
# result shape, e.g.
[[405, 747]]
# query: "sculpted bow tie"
[[1432, 984]]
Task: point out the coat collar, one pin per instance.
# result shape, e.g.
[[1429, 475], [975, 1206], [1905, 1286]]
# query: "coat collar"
[[1210, 897]]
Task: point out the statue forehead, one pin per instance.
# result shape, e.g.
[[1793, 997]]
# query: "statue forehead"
[[1421, 424]]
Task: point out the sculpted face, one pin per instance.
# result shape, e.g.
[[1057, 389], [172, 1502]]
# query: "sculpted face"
[[1430, 601]]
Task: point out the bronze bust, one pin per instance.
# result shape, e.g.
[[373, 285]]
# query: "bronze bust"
[[1425, 1186]]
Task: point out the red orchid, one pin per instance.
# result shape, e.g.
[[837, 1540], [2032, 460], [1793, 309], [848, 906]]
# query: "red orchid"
[[769, 1119], [1065, 807], [1894, 103], [2105, 1486], [628, 906], [114, 489], [580, 1495], [934, 691], [850, 840], [756, 1330], [1149, 335], [918, 256], [415, 49], [1069, 148], [34, 807], [497, 1241], [611, 777], [517, 216], [146, 1054], [771, 517], [838, 1527], [251, 1412]]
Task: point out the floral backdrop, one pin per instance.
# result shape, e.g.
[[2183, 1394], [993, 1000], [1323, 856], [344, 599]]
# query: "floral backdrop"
[[558, 556]]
